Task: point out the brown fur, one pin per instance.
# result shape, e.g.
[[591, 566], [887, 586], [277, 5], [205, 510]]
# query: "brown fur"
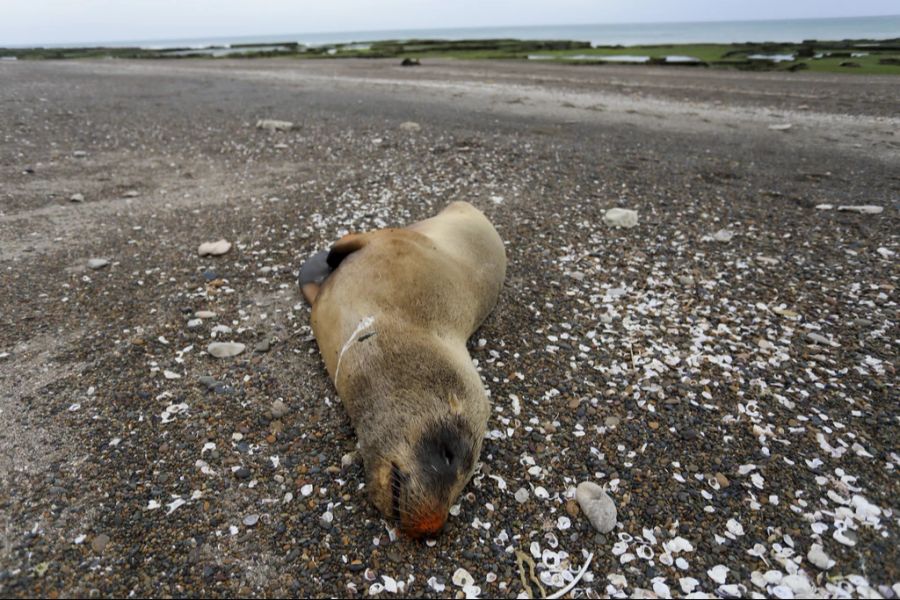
[[392, 323]]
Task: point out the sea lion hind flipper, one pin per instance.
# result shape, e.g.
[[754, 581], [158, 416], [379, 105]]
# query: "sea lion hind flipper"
[[344, 247], [313, 273]]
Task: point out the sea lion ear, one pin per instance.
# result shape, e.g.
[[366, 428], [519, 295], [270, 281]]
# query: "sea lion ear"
[[346, 246]]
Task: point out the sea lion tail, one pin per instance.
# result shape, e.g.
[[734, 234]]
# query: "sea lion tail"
[[320, 265]]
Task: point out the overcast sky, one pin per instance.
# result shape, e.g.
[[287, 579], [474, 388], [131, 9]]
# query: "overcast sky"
[[68, 21]]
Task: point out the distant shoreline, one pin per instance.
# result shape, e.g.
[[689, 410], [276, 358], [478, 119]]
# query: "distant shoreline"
[[868, 56]]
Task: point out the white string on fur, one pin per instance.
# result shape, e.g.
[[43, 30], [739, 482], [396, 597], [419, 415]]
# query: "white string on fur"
[[365, 323]]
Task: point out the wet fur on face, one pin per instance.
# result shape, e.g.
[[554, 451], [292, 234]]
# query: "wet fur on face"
[[420, 437]]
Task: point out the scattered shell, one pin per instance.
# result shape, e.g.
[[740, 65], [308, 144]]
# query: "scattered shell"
[[410, 126], [866, 209], [597, 506], [780, 126], [97, 263], [76, 198], [251, 520], [817, 556]]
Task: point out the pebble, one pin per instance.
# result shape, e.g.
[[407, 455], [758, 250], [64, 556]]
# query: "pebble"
[[76, 198], [597, 506], [866, 209], [410, 126], [723, 235], [824, 206], [780, 126], [279, 409], [274, 125], [97, 263], [242, 473], [263, 346], [251, 520], [818, 338], [225, 349], [205, 314], [194, 323], [208, 381], [131, 194], [79, 154], [521, 495], [98, 544], [621, 217], [214, 248]]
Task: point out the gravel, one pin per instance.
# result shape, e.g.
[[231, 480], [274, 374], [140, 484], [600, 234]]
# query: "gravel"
[[675, 373]]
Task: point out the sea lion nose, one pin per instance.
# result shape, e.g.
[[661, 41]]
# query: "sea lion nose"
[[427, 525]]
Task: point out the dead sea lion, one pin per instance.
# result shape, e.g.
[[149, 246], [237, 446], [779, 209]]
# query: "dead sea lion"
[[391, 311]]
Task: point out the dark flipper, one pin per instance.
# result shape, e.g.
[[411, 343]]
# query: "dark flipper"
[[313, 273], [320, 265]]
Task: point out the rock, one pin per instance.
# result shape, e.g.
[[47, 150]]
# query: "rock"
[[780, 127], [824, 206], [225, 349], [131, 194], [205, 314], [722, 235], [263, 346], [621, 217], [274, 125], [886, 253], [242, 473], [279, 409], [194, 323], [818, 557], [214, 248], [722, 480], [597, 506], [79, 154], [521, 495], [225, 329], [98, 544], [76, 198], [208, 381], [410, 126], [97, 263], [410, 62], [866, 209], [818, 338], [251, 520]]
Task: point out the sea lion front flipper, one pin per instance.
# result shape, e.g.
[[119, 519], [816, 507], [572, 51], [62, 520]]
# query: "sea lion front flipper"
[[346, 246], [312, 274]]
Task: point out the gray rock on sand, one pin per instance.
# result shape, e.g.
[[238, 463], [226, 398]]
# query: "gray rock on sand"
[[410, 126], [97, 263], [279, 409], [76, 198], [723, 235], [780, 127], [225, 349], [98, 544], [598, 507], [866, 209], [214, 248], [621, 217], [274, 125], [205, 314]]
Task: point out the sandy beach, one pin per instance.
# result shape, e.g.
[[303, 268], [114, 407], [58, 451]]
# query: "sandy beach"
[[727, 368]]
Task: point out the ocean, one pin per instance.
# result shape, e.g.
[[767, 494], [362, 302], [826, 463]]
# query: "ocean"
[[794, 30]]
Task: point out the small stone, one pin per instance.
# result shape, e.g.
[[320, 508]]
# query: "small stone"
[[274, 125], [824, 206], [98, 544], [723, 235], [208, 381], [410, 126], [521, 495], [279, 409], [225, 349], [76, 198], [251, 520], [866, 209], [79, 154], [722, 480], [97, 263], [326, 519], [242, 473], [572, 508], [780, 127], [205, 314], [818, 557], [621, 217], [612, 422], [131, 194], [818, 338], [264, 346], [214, 248], [597, 506], [194, 323]]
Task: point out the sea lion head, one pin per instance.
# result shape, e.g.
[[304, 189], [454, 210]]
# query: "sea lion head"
[[420, 439]]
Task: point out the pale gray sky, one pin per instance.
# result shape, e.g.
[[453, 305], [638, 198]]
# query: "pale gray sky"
[[73, 21]]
